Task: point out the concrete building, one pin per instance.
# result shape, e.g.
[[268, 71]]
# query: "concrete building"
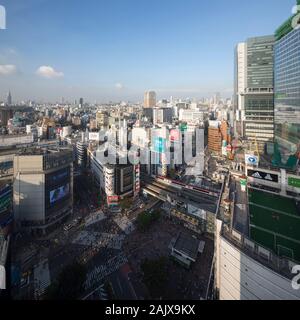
[[191, 116], [185, 250], [102, 120], [162, 115], [247, 271], [5, 115], [257, 240], [13, 140], [43, 189], [116, 181], [149, 99], [219, 136]]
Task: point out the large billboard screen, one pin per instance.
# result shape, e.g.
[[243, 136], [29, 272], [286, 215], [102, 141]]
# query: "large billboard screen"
[[59, 193], [261, 175], [159, 145], [294, 182]]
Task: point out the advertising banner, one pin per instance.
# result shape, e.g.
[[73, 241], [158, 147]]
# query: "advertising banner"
[[261, 175], [251, 160]]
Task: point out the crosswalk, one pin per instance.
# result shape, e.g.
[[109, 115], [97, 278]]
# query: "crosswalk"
[[100, 272], [41, 279]]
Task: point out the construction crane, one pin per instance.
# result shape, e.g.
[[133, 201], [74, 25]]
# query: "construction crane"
[[254, 147]]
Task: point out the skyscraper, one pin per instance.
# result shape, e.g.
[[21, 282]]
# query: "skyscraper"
[[149, 99], [9, 99], [287, 88], [81, 102], [239, 87], [254, 98]]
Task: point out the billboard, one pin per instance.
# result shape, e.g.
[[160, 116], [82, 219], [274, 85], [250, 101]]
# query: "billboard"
[[94, 136], [113, 200], [183, 127], [294, 182], [137, 185], [261, 175], [59, 193], [159, 144], [251, 160], [174, 135]]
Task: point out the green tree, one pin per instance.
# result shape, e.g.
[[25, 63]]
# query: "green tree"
[[172, 173], [69, 284], [155, 276], [126, 203], [145, 219]]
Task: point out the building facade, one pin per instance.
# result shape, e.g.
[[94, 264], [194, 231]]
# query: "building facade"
[[149, 99], [254, 92], [43, 189], [247, 271], [287, 89]]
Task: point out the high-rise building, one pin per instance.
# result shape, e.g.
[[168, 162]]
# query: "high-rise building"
[[43, 189], [9, 99], [102, 120], [149, 99], [254, 97], [5, 115], [216, 98], [214, 137], [81, 102], [287, 88], [162, 115], [218, 132]]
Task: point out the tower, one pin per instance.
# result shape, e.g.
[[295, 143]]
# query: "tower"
[[149, 99], [9, 99]]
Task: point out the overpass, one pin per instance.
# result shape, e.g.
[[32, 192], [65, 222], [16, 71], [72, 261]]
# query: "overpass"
[[170, 192]]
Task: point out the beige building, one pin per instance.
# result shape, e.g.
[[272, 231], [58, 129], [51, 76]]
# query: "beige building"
[[101, 119], [43, 189], [149, 99]]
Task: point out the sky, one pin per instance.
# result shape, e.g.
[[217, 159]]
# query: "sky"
[[114, 50]]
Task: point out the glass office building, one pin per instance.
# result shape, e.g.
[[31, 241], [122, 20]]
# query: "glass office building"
[[260, 64], [259, 95], [287, 89]]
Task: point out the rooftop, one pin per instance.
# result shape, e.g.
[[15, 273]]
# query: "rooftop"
[[187, 245], [38, 151], [275, 222]]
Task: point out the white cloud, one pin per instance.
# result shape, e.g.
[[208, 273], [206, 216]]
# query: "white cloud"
[[49, 72], [7, 69], [119, 86]]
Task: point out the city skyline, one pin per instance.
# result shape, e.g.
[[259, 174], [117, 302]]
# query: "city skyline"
[[91, 53]]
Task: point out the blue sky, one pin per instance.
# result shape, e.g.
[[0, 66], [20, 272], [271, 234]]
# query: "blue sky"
[[107, 50]]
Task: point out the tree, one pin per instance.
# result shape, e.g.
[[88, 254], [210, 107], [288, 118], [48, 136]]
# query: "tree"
[[126, 203], [155, 276], [69, 284], [145, 219], [172, 173]]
